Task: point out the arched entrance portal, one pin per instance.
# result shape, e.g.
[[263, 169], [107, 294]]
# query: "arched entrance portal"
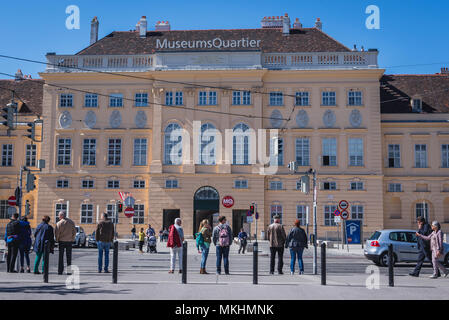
[[206, 205]]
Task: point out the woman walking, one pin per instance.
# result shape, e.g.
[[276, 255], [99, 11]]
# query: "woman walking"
[[436, 246], [203, 242], [296, 241], [44, 232], [25, 243]]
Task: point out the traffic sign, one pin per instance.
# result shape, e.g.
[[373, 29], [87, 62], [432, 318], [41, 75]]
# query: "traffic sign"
[[12, 201], [344, 215], [129, 212], [343, 204], [257, 215], [249, 219], [337, 213], [129, 201], [353, 228], [11, 211], [337, 219], [227, 202]]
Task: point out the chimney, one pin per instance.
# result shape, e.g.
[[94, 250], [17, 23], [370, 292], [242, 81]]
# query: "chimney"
[[272, 22], [162, 26], [318, 24], [355, 48], [286, 25], [143, 27], [444, 70], [18, 75], [94, 30], [297, 24]]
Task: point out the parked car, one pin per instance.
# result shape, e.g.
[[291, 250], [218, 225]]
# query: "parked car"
[[91, 243], [80, 238], [405, 247]]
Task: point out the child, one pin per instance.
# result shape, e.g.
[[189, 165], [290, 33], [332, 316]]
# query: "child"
[[141, 240]]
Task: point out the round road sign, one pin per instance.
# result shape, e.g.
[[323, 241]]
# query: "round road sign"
[[12, 201], [129, 212], [345, 215], [129, 201], [227, 201], [343, 204], [337, 213]]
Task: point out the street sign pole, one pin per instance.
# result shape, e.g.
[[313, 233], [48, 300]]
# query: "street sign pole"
[[19, 201], [115, 220], [315, 249]]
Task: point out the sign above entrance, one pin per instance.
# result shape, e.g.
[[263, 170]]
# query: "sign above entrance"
[[227, 202], [216, 43]]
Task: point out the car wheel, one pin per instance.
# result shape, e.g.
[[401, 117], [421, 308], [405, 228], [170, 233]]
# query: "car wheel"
[[383, 260]]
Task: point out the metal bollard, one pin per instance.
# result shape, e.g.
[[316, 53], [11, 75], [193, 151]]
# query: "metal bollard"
[[46, 260], [115, 263], [323, 264], [255, 262], [184, 262], [390, 266]]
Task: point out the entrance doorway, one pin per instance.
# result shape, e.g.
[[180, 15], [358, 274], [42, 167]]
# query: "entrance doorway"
[[206, 205], [169, 216], [239, 221]]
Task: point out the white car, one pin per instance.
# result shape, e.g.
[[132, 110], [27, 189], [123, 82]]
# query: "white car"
[[80, 238]]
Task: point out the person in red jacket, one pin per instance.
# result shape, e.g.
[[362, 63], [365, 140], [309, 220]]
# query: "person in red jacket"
[[175, 240]]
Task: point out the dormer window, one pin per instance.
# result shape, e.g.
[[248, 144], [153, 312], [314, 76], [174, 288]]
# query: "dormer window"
[[416, 105]]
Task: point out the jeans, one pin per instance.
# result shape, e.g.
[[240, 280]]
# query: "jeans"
[[67, 247], [176, 251], [296, 253], [223, 252], [13, 249], [280, 252], [205, 253], [242, 245], [103, 246], [24, 253], [39, 256]]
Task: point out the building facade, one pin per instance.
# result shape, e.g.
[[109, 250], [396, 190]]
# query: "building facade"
[[183, 119]]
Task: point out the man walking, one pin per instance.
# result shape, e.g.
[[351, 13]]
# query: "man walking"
[[423, 246], [104, 235], [65, 233], [175, 240], [276, 237], [13, 243], [243, 238], [222, 237]]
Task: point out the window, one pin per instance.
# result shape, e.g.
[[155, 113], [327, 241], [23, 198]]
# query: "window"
[[113, 184], [59, 207], [141, 99], [139, 184], [64, 151], [91, 100], [202, 98], [328, 98], [89, 152], [169, 98], [302, 98], [357, 212], [87, 184], [301, 214], [398, 236], [329, 146], [276, 210], [329, 185], [422, 210], [356, 186], [171, 183], [303, 152], [116, 100], [173, 144], [275, 185], [7, 155], [355, 152], [207, 98], [207, 144], [394, 187], [445, 155], [240, 144], [277, 152], [355, 98], [394, 156], [416, 105], [87, 213], [241, 184], [139, 214], [111, 211], [4, 209], [62, 183], [140, 152], [31, 155], [66, 100], [241, 97], [329, 215], [114, 152], [179, 98], [420, 156], [276, 99]]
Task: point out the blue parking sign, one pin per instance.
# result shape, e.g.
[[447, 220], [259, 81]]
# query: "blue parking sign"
[[353, 233]]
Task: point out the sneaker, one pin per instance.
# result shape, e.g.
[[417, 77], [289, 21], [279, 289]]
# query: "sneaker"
[[218, 273], [99, 271], [28, 270], [446, 274], [292, 273], [171, 271], [413, 275], [301, 272], [180, 271], [106, 271], [271, 272], [22, 271], [280, 272], [227, 273], [36, 272], [433, 276]]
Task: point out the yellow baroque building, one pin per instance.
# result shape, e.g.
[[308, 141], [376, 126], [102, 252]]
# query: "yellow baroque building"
[[183, 120]]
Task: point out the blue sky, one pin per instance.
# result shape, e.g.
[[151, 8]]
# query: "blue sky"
[[411, 32]]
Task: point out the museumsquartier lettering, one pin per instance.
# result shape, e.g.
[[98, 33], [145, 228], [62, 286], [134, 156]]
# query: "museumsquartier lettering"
[[217, 43]]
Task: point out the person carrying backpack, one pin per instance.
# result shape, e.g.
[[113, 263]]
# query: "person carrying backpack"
[[203, 242], [13, 242], [222, 237]]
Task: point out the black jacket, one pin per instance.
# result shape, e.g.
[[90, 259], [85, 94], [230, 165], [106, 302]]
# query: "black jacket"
[[296, 238], [13, 228], [424, 244]]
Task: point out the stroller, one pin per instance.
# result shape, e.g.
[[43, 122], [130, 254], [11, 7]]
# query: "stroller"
[[151, 244]]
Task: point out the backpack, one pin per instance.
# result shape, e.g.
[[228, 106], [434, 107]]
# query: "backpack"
[[224, 237], [199, 239]]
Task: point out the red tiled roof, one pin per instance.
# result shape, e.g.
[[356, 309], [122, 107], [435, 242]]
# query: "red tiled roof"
[[29, 94]]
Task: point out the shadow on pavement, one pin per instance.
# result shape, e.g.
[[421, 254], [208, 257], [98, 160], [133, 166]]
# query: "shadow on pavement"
[[61, 290]]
